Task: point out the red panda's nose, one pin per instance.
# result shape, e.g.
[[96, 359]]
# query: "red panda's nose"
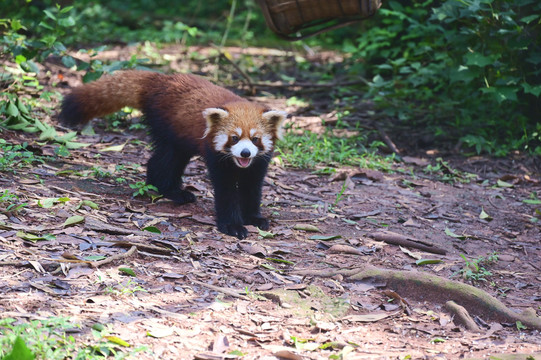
[[245, 153]]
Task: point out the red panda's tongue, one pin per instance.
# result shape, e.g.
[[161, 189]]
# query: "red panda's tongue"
[[243, 161]]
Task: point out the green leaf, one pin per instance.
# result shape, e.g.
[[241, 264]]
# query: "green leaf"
[[91, 76], [68, 61], [117, 340], [75, 145], [152, 229], [127, 271], [49, 14], [503, 184], [67, 22], [532, 201], [19, 351], [66, 137], [484, 216], [66, 9], [73, 220], [98, 327], [88, 130], [90, 204], [30, 67], [16, 25], [34, 238], [12, 110], [535, 90], [306, 227], [480, 60], [114, 148], [265, 234], [528, 19], [428, 261], [325, 237], [95, 257], [62, 151], [19, 59], [452, 234], [281, 261]]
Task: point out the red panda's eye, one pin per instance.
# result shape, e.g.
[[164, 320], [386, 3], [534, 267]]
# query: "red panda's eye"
[[255, 139], [235, 139]]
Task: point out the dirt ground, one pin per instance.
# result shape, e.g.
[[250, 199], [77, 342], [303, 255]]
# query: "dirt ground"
[[200, 294]]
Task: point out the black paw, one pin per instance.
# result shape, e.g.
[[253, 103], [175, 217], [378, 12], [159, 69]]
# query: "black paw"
[[258, 221], [181, 197], [236, 230]]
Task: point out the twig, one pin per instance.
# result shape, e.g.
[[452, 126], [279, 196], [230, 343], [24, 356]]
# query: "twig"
[[387, 140], [390, 237], [15, 263], [241, 72], [114, 257], [226, 291]]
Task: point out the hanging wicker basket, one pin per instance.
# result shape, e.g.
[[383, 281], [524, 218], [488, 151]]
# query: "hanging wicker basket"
[[287, 17]]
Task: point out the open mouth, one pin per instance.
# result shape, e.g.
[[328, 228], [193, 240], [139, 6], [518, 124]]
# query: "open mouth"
[[242, 162]]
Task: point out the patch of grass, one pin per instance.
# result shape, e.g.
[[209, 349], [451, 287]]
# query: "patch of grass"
[[49, 339], [10, 203], [324, 152], [475, 270], [446, 173], [125, 288], [16, 156]]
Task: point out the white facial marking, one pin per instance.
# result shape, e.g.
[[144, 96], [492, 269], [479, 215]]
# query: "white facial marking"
[[252, 132], [219, 141], [266, 141], [237, 149], [238, 131]]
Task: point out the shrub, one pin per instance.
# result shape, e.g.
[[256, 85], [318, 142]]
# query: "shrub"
[[469, 66]]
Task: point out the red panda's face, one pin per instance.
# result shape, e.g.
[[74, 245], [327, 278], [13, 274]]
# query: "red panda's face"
[[243, 130]]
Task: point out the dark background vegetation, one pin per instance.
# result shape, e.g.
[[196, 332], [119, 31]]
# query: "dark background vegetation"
[[467, 70]]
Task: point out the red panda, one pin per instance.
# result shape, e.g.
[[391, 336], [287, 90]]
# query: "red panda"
[[188, 115]]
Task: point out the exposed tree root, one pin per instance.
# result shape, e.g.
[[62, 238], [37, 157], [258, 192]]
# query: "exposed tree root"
[[436, 289], [461, 316]]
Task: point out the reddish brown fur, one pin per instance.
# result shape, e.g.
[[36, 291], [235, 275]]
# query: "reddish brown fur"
[[187, 115], [183, 97]]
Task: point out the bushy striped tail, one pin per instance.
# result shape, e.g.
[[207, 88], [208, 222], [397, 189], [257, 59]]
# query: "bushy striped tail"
[[104, 96]]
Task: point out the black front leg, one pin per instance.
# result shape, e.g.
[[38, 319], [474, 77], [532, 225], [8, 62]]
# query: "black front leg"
[[165, 169], [250, 186], [224, 177]]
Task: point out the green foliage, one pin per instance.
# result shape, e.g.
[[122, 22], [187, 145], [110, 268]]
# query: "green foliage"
[[126, 288], [475, 270], [20, 351], [143, 189], [310, 150], [10, 203], [467, 70], [47, 339], [136, 21], [23, 48], [471, 67], [13, 157], [446, 173]]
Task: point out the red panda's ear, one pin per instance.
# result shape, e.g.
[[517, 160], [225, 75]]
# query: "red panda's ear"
[[276, 119], [213, 116]]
